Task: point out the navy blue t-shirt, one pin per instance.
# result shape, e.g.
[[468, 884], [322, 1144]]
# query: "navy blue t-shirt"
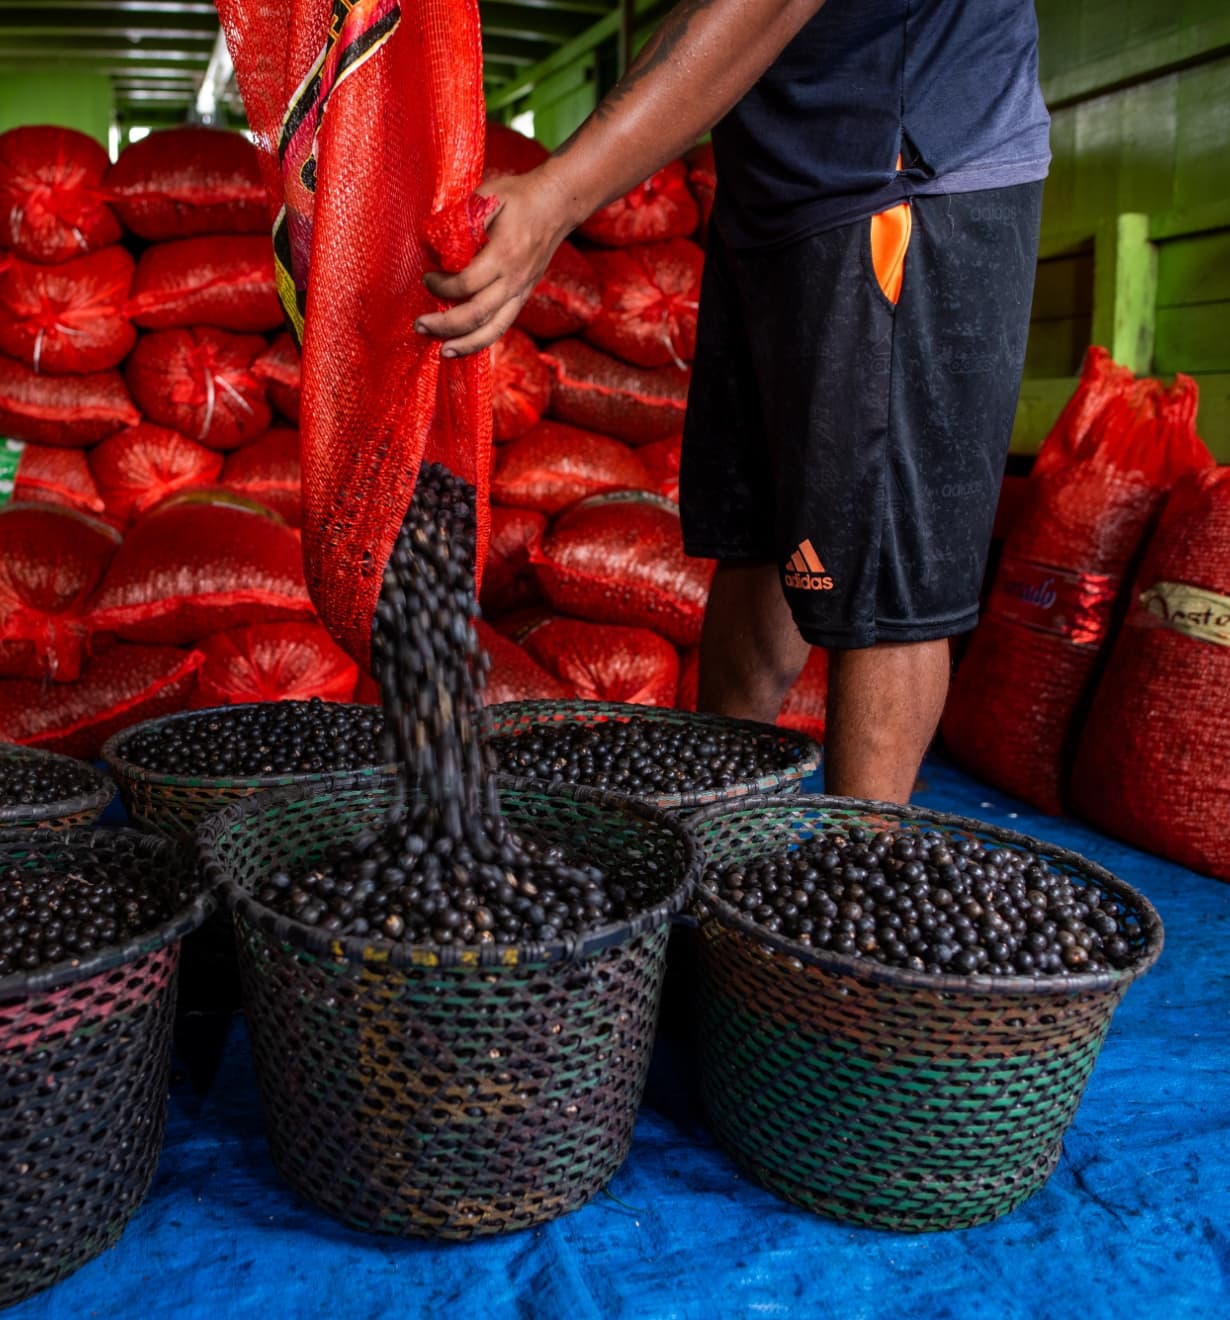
[[950, 85]]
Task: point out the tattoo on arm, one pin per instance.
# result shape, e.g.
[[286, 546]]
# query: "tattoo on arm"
[[656, 51]]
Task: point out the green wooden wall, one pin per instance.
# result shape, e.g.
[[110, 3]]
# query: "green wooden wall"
[[78, 101]]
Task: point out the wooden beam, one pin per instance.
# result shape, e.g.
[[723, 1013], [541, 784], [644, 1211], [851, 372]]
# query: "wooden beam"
[[1125, 290]]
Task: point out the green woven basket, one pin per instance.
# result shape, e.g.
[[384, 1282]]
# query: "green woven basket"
[[438, 1091], [801, 754], [887, 1097], [83, 808]]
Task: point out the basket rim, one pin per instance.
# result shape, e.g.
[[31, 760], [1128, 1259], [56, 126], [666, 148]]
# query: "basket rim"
[[392, 953], [880, 973], [808, 764], [96, 800], [124, 769], [70, 971]]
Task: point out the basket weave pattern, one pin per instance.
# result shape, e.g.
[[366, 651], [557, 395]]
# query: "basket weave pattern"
[[431, 1092], [84, 809], [84, 1059], [893, 1099], [515, 717]]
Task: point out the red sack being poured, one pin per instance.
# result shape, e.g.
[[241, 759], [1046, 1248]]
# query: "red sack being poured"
[[52, 205], [200, 382], [68, 319], [200, 563], [226, 283], [180, 182], [553, 466], [69, 411], [139, 467], [1153, 765], [279, 367], [267, 471], [619, 559], [1012, 715], [520, 385], [122, 686], [274, 662], [52, 476], [51, 560], [661, 207], [603, 394], [650, 294], [401, 143]]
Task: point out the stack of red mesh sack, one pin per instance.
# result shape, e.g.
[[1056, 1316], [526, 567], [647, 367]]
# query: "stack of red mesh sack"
[[149, 465], [1025, 682], [1153, 762], [586, 569]]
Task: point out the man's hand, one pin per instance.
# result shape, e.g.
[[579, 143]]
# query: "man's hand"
[[703, 57], [530, 224]]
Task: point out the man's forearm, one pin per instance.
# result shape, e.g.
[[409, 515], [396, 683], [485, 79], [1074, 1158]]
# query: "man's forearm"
[[699, 62]]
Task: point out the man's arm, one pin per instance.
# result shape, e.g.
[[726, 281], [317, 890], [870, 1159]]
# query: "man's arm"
[[703, 57]]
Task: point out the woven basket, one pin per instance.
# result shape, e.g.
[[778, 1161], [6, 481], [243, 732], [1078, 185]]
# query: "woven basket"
[[175, 805], [515, 717], [84, 1056], [434, 1092], [887, 1097], [83, 809]]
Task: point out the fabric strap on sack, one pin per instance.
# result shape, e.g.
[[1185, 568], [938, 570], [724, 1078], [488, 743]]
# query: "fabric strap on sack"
[[370, 117]]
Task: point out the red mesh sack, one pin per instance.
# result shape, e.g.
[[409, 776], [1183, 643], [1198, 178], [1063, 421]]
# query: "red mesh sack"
[[267, 471], [650, 294], [510, 152], [69, 411], [554, 466], [279, 367], [200, 382], [124, 685], [52, 206], [804, 706], [702, 180], [604, 662], [565, 300], [274, 662], [520, 385], [661, 460], [1153, 764], [514, 676], [51, 560], [226, 283], [185, 181], [398, 154], [619, 558], [139, 467], [1012, 715], [68, 319], [602, 394], [49, 476], [661, 207], [509, 581], [200, 563]]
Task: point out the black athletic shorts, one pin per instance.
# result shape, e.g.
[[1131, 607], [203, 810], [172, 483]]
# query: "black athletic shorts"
[[857, 442]]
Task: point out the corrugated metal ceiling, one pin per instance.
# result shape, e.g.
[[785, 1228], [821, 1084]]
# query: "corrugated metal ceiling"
[[156, 51]]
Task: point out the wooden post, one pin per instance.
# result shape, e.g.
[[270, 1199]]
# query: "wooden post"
[[1125, 290]]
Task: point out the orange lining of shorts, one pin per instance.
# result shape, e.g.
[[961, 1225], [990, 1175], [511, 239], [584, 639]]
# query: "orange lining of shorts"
[[890, 236]]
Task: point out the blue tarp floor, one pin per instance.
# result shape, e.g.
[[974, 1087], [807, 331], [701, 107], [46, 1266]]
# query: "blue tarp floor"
[[1135, 1222]]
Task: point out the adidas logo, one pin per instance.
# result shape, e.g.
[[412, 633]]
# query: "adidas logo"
[[805, 572]]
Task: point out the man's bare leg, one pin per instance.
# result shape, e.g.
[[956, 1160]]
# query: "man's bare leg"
[[884, 705], [750, 649]]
